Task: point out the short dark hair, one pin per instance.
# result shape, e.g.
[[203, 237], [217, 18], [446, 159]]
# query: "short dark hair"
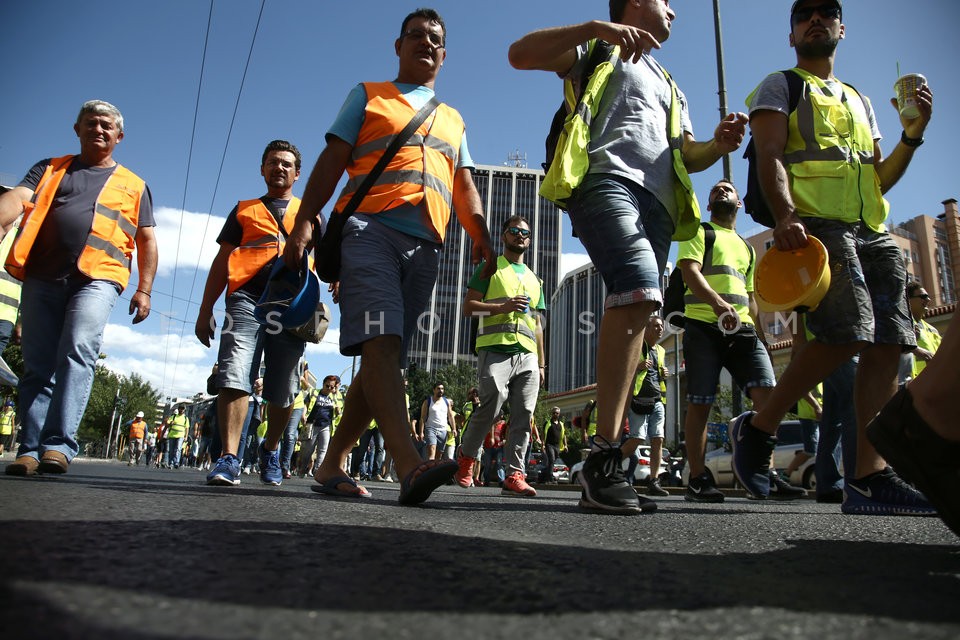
[[913, 287], [616, 10], [331, 377], [725, 181], [511, 221], [427, 14], [281, 145]]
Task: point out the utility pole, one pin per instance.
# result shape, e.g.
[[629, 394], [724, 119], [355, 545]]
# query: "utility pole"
[[721, 81], [113, 417]]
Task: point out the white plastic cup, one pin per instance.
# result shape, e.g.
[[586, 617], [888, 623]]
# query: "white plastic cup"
[[906, 90]]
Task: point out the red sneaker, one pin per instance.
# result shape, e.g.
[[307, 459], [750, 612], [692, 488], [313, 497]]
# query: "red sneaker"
[[516, 485], [464, 474]]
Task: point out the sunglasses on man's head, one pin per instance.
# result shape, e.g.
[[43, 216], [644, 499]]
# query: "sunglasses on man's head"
[[826, 11], [517, 231]]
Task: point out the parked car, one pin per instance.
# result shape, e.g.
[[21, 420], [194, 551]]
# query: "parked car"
[[561, 471], [789, 441], [643, 467]]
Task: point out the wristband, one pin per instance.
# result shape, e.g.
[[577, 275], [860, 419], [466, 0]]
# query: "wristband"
[[146, 293], [910, 142]]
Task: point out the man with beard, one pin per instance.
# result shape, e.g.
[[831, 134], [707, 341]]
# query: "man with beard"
[[720, 332], [823, 174], [510, 363]]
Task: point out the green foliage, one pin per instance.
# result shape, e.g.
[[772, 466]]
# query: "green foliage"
[[456, 378], [135, 395], [14, 358]]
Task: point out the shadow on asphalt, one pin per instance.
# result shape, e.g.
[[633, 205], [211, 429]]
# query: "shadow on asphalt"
[[355, 569]]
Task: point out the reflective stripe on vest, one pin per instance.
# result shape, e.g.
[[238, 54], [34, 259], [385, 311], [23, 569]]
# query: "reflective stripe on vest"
[[725, 269], [108, 252], [9, 286], [422, 171], [829, 157], [261, 241], [514, 327]]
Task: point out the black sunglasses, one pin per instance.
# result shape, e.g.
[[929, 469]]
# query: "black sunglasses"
[[517, 231], [826, 11], [922, 296]]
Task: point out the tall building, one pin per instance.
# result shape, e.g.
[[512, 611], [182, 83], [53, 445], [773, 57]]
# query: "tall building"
[[931, 254], [444, 335]]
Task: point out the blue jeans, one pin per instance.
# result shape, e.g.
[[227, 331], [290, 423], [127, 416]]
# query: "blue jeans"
[[174, 449], [289, 441], [378, 453], [58, 373], [838, 427]]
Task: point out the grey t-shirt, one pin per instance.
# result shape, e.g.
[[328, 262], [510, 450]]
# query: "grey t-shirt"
[[773, 94], [629, 134]]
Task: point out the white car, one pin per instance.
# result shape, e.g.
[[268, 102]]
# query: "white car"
[[789, 441], [643, 468]]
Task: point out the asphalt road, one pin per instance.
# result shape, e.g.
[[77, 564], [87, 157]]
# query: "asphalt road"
[[109, 551]]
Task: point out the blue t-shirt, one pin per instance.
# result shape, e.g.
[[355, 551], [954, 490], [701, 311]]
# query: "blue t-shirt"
[[409, 219]]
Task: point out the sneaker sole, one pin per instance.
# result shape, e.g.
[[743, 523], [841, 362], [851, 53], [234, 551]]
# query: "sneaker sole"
[[222, 481], [885, 510], [517, 494], [705, 499], [648, 506]]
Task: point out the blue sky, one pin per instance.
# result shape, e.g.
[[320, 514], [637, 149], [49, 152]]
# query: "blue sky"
[[145, 57]]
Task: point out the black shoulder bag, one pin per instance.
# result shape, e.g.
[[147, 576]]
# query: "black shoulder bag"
[[326, 253]]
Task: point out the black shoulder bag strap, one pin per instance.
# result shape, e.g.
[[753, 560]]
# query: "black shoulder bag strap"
[[398, 141]]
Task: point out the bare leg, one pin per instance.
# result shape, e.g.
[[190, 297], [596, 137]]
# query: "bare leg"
[[232, 407], [695, 427]]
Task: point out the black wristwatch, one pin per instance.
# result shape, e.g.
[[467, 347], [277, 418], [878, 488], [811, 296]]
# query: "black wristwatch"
[[910, 142]]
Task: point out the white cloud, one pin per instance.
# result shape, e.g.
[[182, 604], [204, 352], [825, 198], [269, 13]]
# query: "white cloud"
[[186, 240], [571, 262]]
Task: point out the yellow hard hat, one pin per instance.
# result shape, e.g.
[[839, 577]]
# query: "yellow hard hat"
[[794, 280]]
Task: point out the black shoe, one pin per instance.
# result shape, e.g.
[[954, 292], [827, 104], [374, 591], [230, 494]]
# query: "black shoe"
[[780, 489], [834, 496], [605, 488], [654, 488], [702, 489], [751, 456]]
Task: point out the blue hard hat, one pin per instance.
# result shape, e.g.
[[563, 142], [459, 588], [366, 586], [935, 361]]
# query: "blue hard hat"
[[8, 403], [290, 297]]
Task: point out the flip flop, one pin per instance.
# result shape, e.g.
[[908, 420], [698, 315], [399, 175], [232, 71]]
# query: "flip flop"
[[420, 483], [329, 488]]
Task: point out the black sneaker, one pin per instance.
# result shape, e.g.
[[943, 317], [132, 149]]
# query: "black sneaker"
[[605, 488], [780, 489], [751, 455], [884, 494], [654, 488], [834, 496], [702, 489]]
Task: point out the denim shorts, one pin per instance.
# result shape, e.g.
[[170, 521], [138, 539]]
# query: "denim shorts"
[[866, 300], [626, 232], [386, 280], [647, 426], [707, 350], [244, 343], [434, 436]]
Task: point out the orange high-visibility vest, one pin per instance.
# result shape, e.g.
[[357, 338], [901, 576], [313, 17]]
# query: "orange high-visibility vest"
[[422, 170], [137, 429], [262, 240], [108, 251]]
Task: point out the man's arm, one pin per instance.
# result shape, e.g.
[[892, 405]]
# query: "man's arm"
[[11, 204], [466, 202], [770, 130], [727, 137], [699, 286], [541, 352], [553, 49], [892, 168], [330, 165], [146, 241], [205, 327]]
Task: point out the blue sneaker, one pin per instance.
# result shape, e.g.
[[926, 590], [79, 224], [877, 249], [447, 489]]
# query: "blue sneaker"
[[270, 471], [884, 494], [751, 456], [225, 472]]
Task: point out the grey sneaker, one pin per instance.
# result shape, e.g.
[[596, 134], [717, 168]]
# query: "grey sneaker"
[[654, 488]]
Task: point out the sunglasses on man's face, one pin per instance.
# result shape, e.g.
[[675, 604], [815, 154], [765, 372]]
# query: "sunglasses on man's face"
[[826, 11], [922, 296], [517, 231]]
